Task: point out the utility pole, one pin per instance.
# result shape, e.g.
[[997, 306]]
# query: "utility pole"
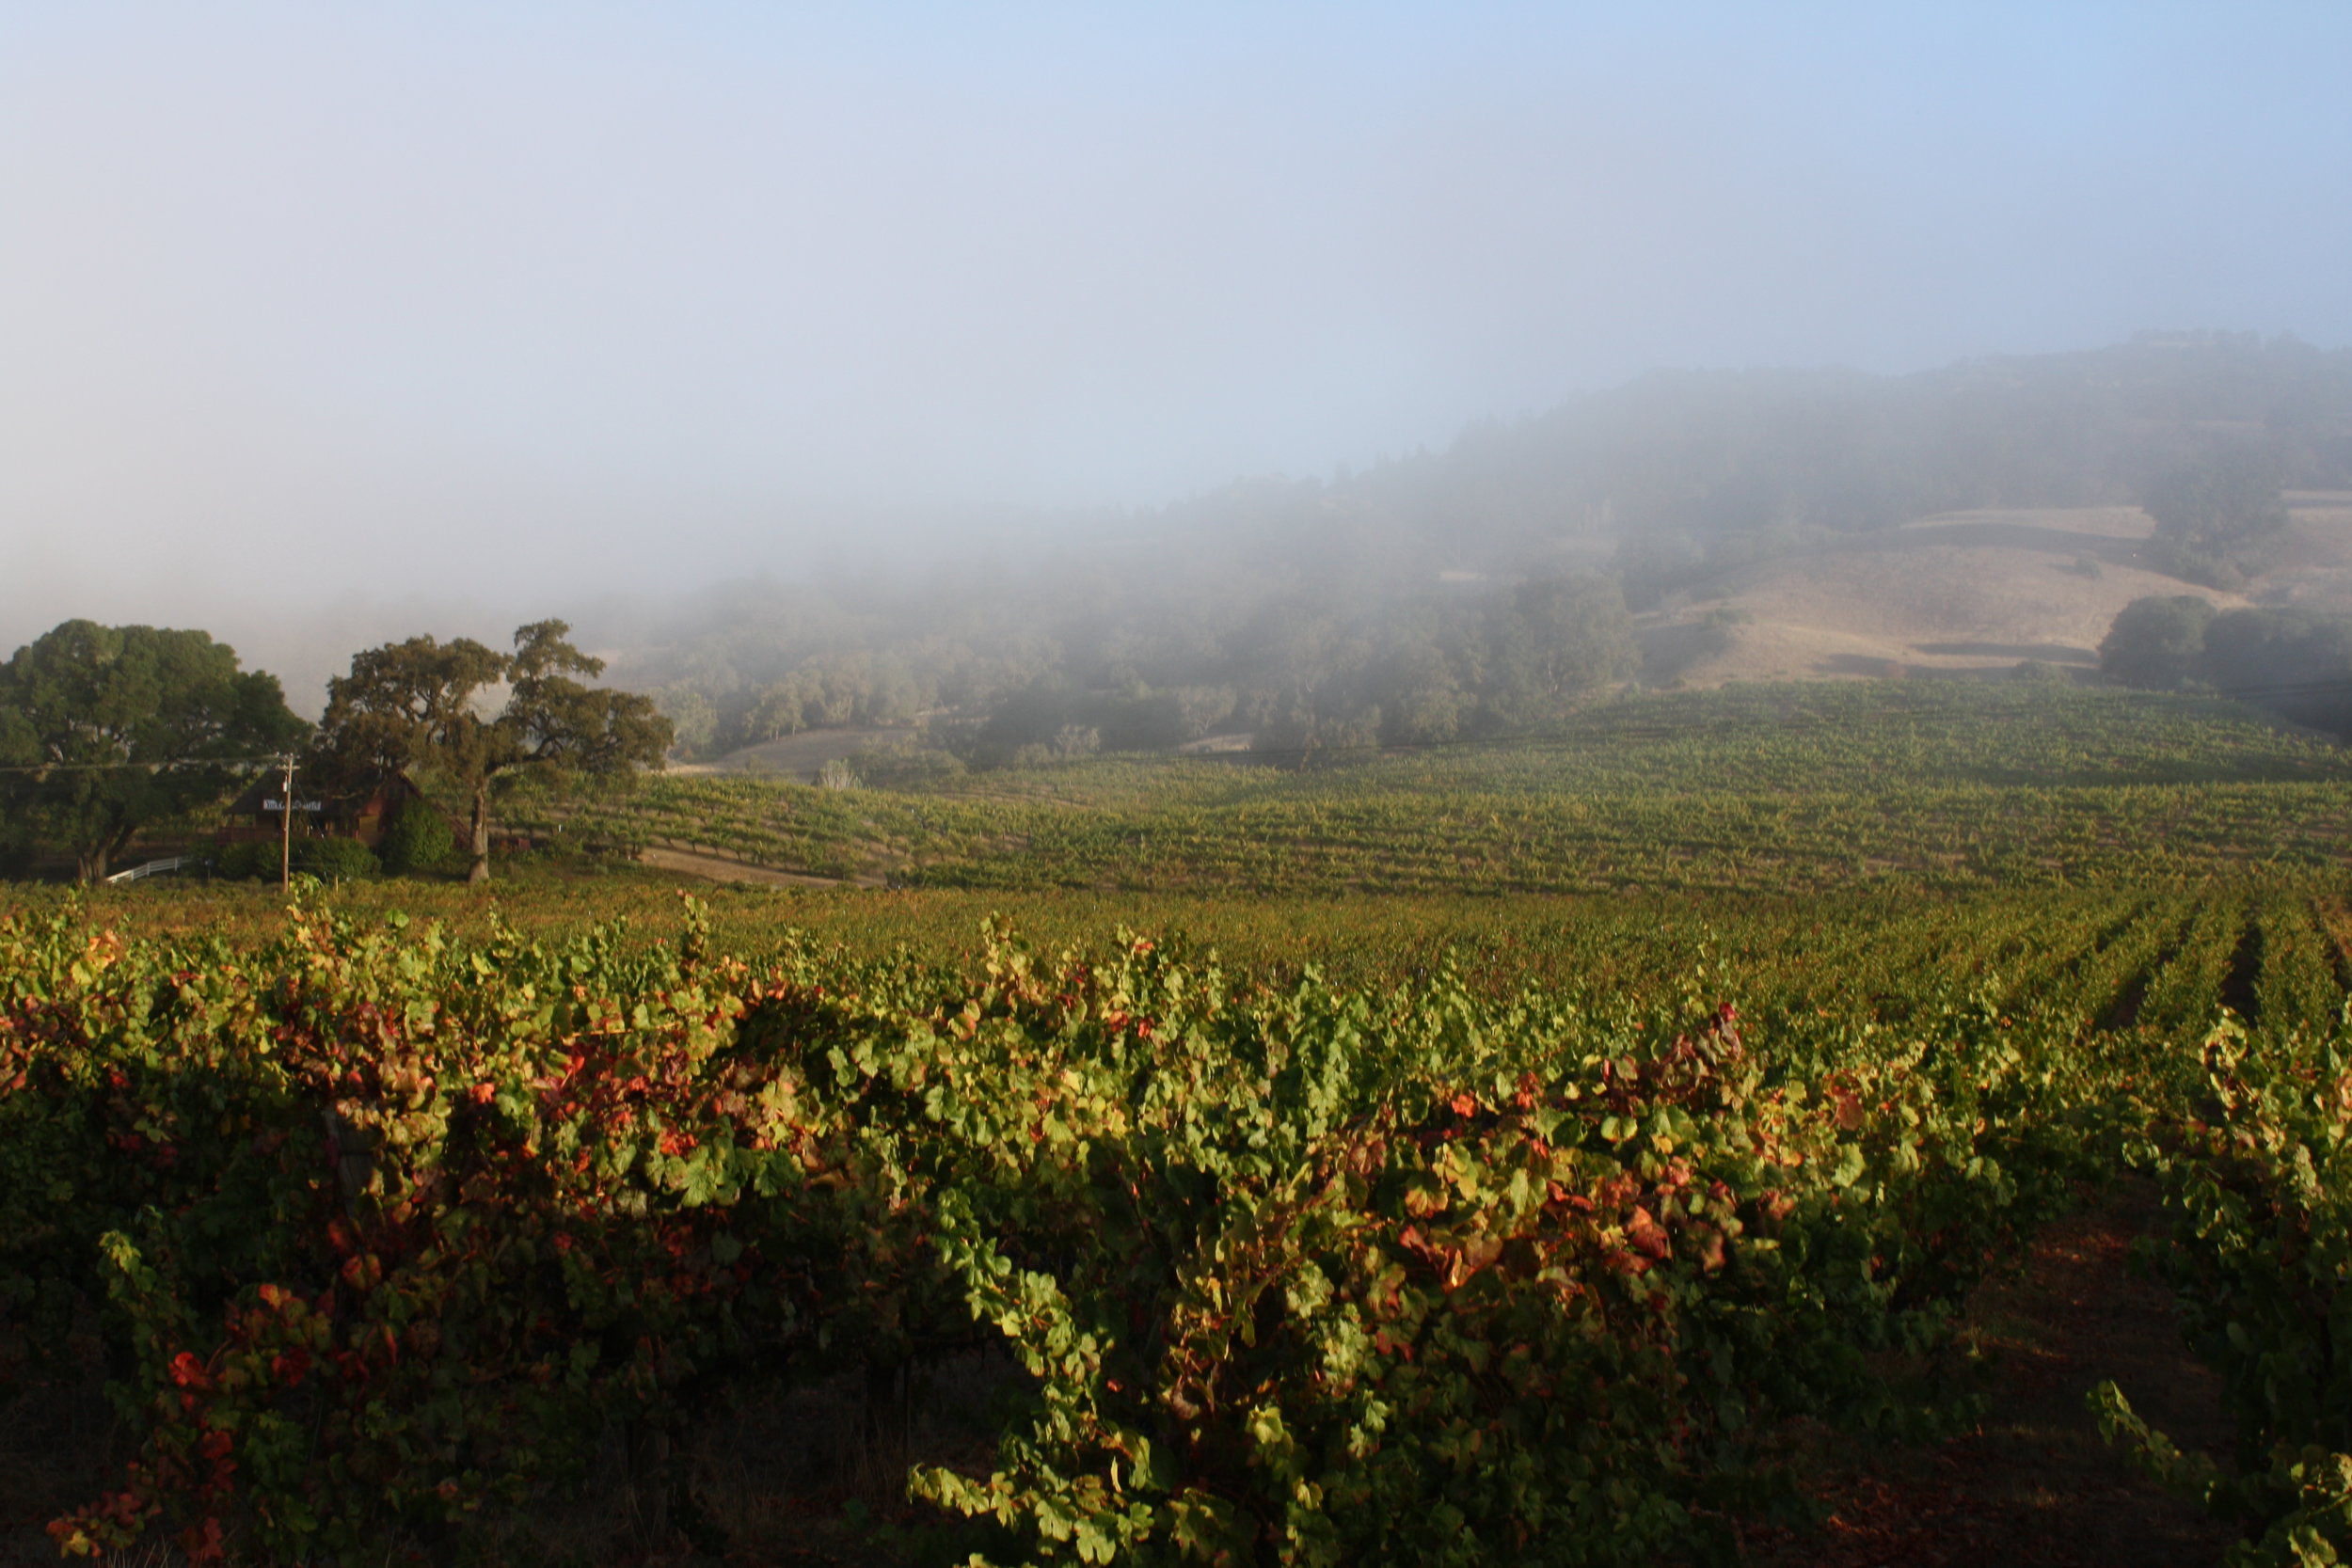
[[285, 830]]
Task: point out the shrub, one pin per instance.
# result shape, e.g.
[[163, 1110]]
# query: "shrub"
[[2294, 662], [334, 860], [904, 766], [330, 860], [2156, 644], [244, 860], [2176, 557], [418, 839]]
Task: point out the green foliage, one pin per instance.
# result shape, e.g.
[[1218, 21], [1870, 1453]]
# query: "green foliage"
[[2295, 662], [1441, 669], [1791, 788], [693, 719], [2223, 500], [832, 691], [390, 1227], [133, 726], [413, 707], [904, 766], [249, 860], [2254, 1144], [2298, 663], [335, 859], [2198, 563], [418, 839], [2157, 644], [328, 858]]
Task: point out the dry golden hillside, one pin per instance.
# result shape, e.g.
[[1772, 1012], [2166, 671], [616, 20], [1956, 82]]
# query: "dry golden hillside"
[[1968, 593]]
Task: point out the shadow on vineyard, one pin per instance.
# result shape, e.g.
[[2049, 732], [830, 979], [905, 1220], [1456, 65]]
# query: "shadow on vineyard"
[[815, 1476], [812, 1478], [2031, 1482], [390, 1239]]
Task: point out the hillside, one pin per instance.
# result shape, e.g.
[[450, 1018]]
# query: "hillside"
[[1786, 788], [1965, 593], [1962, 596], [1693, 526]]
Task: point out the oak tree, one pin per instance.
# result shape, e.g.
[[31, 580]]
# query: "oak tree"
[[425, 707], [108, 730], [2157, 643]]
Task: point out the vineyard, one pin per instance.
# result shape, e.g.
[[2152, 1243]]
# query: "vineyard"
[[1431, 1188], [1783, 788], [391, 1237]]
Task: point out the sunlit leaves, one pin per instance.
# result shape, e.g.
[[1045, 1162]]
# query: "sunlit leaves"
[[1279, 1270]]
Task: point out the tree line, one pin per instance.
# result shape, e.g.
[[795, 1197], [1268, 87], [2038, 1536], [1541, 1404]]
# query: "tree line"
[[2297, 664], [1073, 660], [109, 732]]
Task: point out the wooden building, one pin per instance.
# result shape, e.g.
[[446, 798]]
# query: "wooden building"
[[254, 814]]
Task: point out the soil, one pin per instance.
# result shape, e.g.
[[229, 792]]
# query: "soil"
[[2033, 1485]]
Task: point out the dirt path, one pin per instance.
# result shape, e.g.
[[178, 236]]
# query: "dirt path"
[[2034, 1486], [718, 868]]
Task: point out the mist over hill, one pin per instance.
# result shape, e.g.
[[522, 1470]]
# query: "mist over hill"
[[1476, 590]]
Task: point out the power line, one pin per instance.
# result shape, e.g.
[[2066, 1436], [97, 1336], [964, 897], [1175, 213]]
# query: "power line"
[[270, 761]]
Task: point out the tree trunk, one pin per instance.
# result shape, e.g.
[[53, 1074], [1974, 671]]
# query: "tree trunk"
[[480, 839], [91, 860], [117, 848]]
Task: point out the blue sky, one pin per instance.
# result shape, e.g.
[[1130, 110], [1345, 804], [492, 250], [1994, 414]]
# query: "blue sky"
[[627, 295]]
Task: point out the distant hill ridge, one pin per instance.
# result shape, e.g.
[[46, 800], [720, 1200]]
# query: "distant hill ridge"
[[1741, 524]]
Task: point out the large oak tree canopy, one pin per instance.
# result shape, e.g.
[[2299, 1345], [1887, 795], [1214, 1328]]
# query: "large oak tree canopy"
[[424, 706], [126, 726]]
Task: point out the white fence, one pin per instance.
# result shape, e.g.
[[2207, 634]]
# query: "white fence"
[[154, 868]]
